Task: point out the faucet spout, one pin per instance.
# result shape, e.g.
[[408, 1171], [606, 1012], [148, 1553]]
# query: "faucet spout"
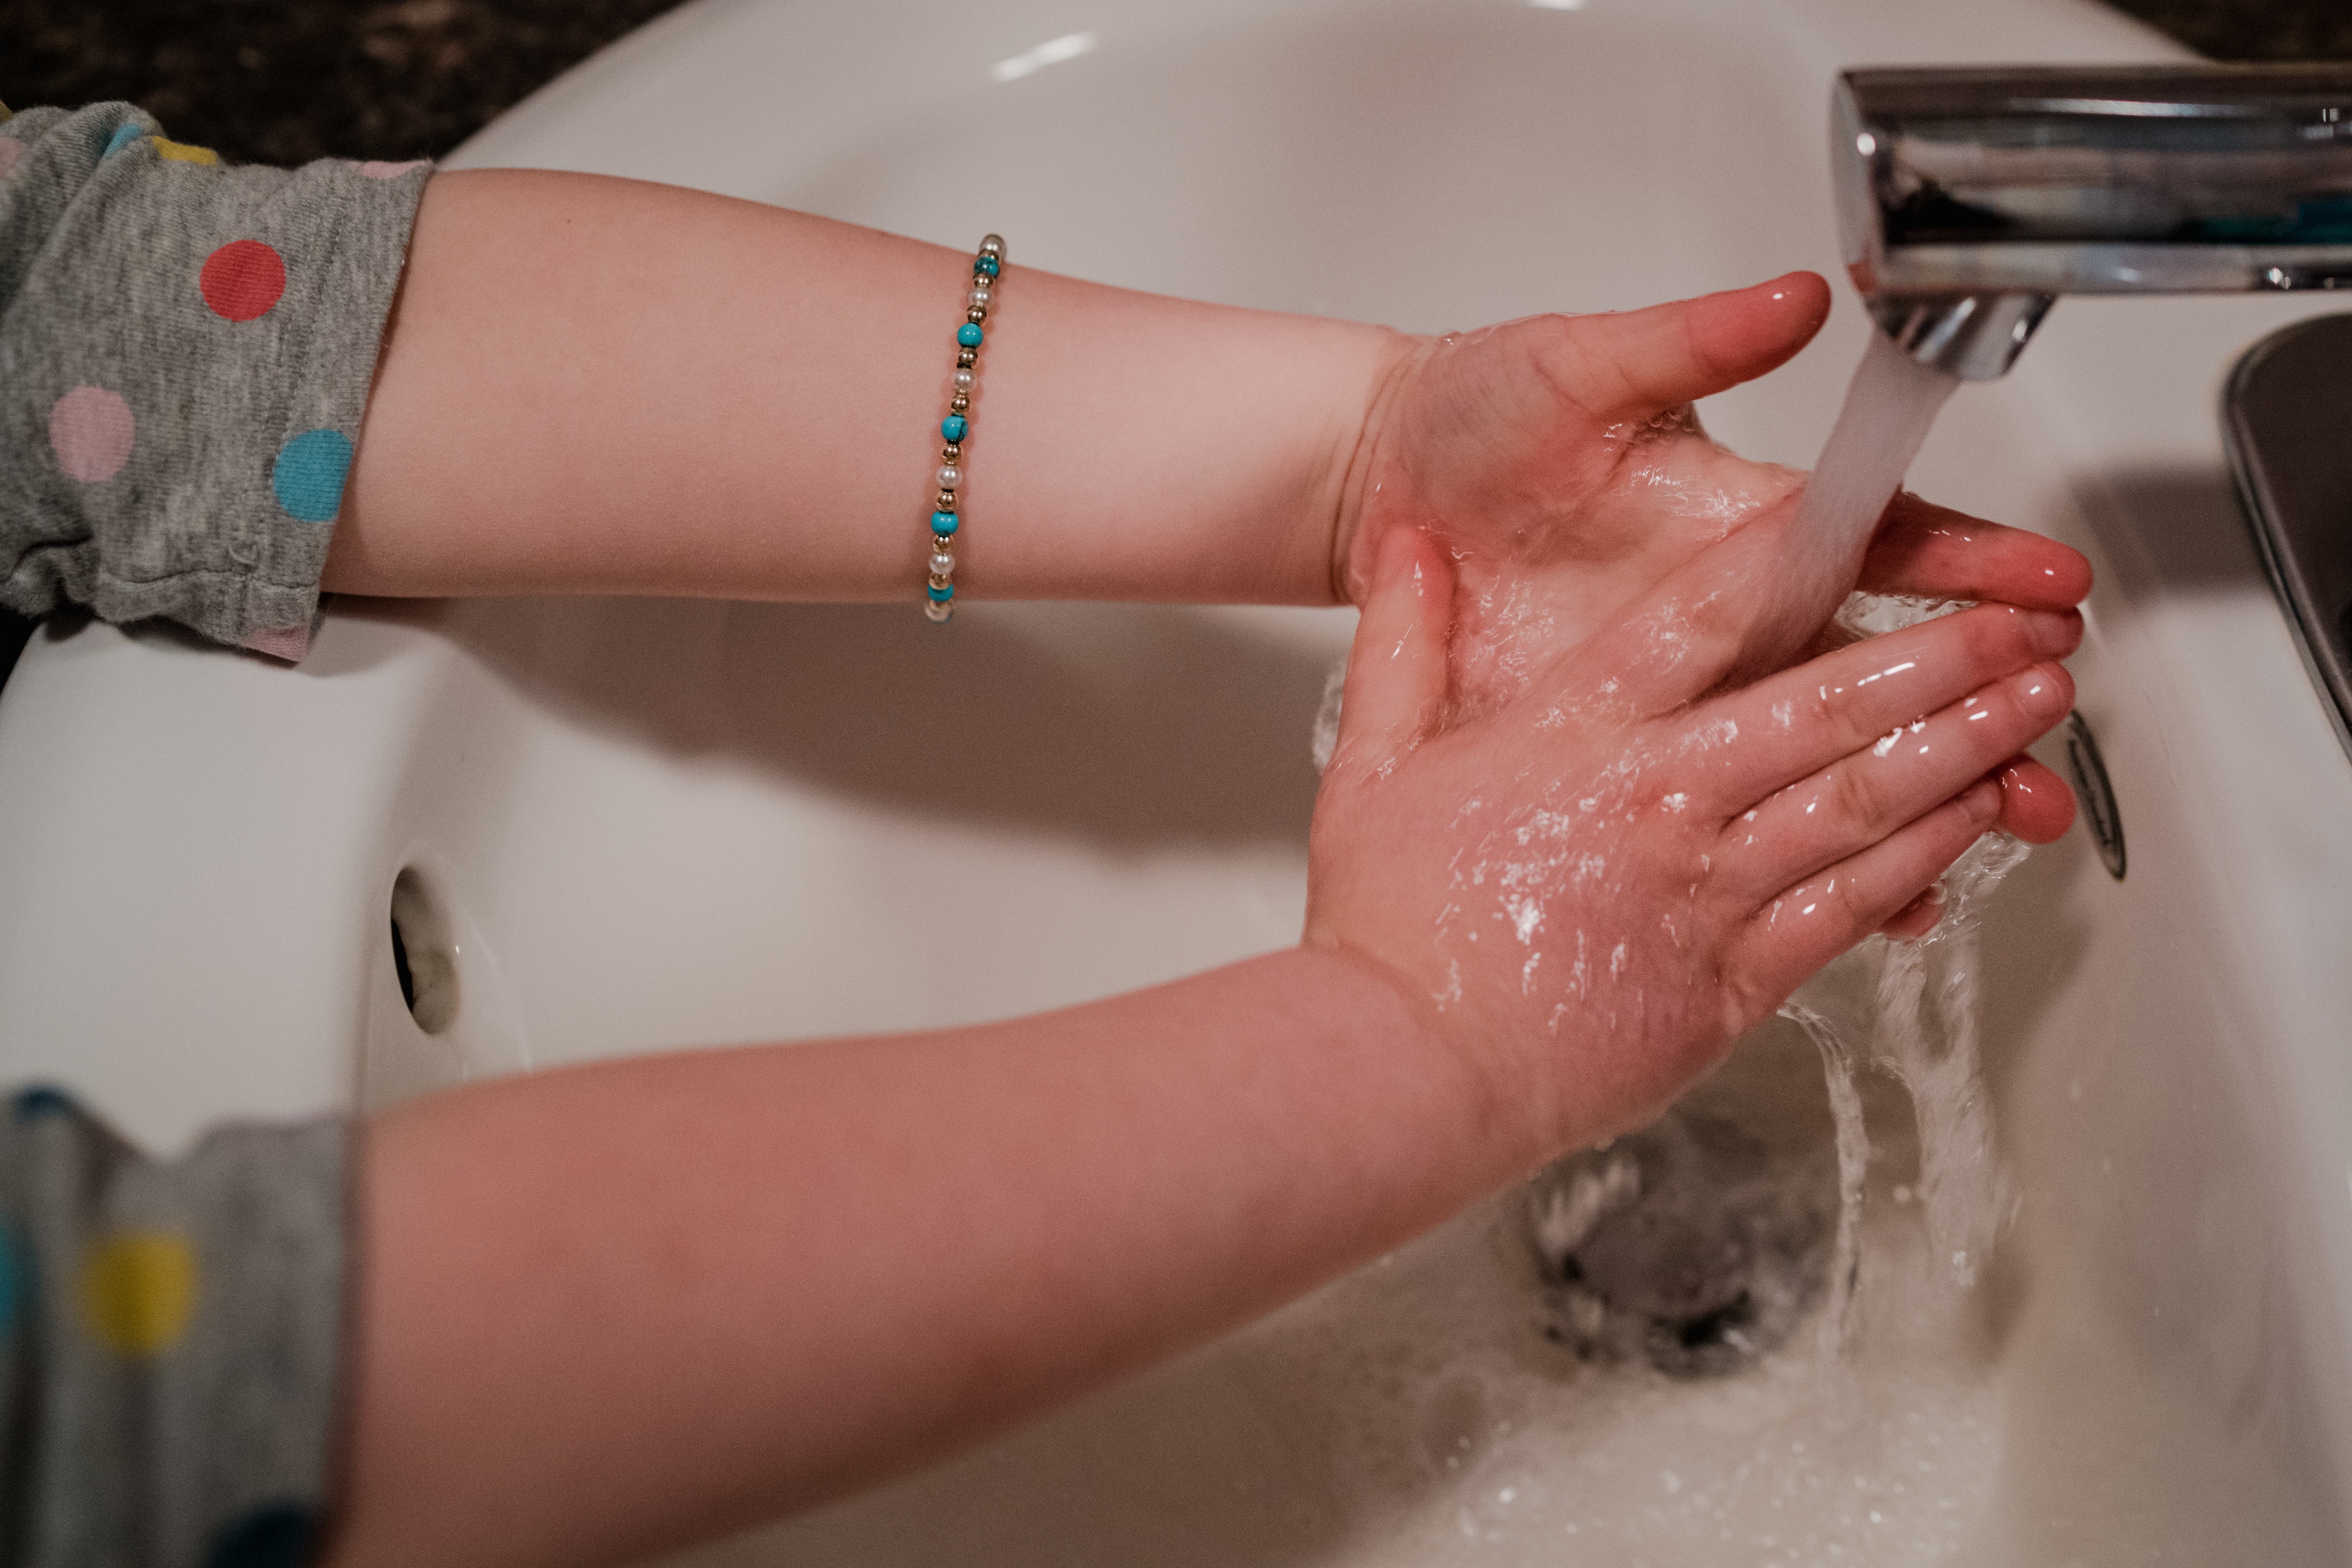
[[1969, 199], [1976, 337]]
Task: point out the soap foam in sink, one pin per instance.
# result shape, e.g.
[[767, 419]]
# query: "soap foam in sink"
[[1457, 1434]]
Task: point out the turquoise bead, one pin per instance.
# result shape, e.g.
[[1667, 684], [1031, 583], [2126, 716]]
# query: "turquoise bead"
[[986, 264], [940, 595], [968, 334], [943, 522], [954, 427]]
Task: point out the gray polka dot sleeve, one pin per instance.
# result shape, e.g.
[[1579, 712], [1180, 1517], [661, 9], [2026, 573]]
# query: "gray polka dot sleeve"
[[170, 1340], [186, 351]]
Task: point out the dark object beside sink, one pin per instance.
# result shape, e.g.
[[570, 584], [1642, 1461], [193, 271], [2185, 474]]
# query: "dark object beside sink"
[[2287, 418]]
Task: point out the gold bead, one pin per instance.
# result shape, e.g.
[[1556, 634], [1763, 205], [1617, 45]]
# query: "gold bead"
[[951, 452], [947, 502], [959, 404], [967, 359], [938, 581]]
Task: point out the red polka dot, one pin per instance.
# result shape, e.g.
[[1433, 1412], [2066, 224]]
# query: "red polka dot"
[[243, 279]]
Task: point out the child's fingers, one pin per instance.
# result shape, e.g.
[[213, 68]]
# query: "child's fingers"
[[1863, 798], [1937, 553], [1635, 364], [2035, 804], [1793, 725], [1396, 668], [1805, 926], [1691, 633]]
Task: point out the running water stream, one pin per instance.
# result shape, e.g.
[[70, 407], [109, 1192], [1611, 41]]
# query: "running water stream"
[[1923, 1028], [1890, 405]]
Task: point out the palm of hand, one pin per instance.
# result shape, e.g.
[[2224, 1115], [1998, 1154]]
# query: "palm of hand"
[[1559, 494]]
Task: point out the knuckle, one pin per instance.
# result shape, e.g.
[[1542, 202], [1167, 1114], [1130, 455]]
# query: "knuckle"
[[1855, 905], [1859, 800], [1989, 640], [1828, 714]]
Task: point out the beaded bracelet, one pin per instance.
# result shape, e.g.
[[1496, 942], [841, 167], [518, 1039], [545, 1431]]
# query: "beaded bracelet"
[[939, 602]]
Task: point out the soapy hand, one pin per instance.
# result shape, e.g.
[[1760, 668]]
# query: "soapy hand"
[[1595, 883], [1558, 461]]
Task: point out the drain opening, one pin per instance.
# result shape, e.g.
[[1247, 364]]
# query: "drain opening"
[[423, 953]]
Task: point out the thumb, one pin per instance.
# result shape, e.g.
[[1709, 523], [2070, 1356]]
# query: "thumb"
[[1395, 693], [1643, 362]]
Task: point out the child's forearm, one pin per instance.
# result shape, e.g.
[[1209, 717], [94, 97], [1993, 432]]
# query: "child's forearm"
[[606, 1309], [600, 385]]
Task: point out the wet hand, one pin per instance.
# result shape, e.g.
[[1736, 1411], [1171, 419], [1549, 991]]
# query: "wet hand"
[[1594, 885], [1557, 463]]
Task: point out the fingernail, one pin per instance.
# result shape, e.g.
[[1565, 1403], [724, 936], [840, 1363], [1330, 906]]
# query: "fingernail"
[[1981, 801], [2043, 691], [2055, 632]]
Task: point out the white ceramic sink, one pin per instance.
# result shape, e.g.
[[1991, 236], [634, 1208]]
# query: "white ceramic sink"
[[645, 824]]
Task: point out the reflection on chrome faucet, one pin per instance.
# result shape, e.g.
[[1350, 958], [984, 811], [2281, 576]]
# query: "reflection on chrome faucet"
[[1969, 199]]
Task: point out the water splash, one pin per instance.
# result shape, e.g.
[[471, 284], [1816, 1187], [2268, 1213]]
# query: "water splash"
[[1925, 1035], [1324, 742], [1838, 1070]]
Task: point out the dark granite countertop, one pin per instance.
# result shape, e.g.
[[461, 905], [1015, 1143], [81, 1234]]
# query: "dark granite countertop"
[[285, 81]]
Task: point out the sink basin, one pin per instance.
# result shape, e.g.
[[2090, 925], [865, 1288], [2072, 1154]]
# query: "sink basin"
[[2287, 401], [608, 826]]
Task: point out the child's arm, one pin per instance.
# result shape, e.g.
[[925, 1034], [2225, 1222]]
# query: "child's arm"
[[600, 385], [616, 1308]]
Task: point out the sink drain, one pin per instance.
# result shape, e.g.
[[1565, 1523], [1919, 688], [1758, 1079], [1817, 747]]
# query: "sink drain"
[[1690, 1244], [424, 951]]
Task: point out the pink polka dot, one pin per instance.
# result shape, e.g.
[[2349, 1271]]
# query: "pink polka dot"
[[286, 643], [91, 429], [12, 152], [377, 169]]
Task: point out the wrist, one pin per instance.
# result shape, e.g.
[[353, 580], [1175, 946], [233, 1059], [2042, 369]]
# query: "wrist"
[[1510, 1126], [1355, 464]]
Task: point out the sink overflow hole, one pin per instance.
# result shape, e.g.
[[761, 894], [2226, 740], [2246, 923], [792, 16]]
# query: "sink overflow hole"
[[423, 954]]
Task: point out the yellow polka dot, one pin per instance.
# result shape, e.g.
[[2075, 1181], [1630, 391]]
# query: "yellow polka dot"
[[181, 153], [138, 1288]]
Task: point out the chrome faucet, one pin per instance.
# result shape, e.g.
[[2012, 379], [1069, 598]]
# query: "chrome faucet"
[[1970, 199]]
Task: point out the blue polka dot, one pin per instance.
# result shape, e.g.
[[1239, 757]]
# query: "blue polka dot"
[[124, 135], [309, 478], [43, 1101], [277, 1535]]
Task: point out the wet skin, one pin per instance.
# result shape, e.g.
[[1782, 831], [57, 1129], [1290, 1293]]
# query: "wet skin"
[[1599, 860], [1557, 462]]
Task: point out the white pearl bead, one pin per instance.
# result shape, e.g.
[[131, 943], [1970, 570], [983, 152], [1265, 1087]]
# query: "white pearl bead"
[[942, 563], [950, 477], [965, 381], [992, 245], [980, 297]]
